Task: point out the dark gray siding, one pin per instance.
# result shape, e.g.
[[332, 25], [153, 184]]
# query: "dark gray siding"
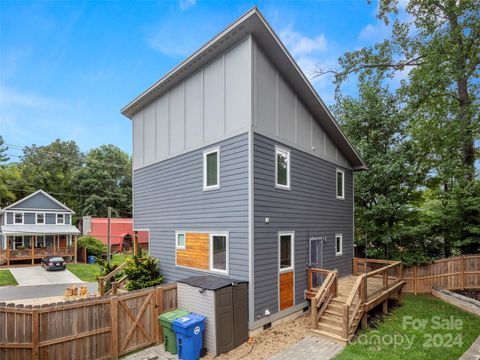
[[9, 218], [38, 201], [309, 209], [169, 196], [67, 219]]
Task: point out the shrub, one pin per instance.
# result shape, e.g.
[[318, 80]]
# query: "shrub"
[[94, 246], [142, 272], [105, 269]]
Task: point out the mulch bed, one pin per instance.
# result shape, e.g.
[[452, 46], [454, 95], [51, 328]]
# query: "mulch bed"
[[471, 293]]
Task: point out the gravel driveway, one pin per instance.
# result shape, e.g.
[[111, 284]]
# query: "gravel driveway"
[[37, 275]]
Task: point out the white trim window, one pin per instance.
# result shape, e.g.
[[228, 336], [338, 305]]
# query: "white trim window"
[[211, 169], [219, 252], [282, 168], [40, 218], [286, 251], [40, 241], [340, 184], [338, 244], [60, 219], [180, 240], [17, 242], [18, 218]]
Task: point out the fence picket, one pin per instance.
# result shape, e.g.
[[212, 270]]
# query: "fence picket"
[[86, 329]]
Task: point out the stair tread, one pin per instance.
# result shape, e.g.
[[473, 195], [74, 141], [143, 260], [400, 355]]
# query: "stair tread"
[[330, 326], [325, 333]]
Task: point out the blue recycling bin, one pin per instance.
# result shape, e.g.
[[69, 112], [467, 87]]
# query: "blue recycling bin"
[[91, 259], [189, 331]]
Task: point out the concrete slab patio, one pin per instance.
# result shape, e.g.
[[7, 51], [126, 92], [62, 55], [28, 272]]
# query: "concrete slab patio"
[[36, 275]]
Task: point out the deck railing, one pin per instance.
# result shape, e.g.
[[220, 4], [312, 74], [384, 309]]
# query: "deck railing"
[[327, 290], [103, 280], [353, 308], [389, 271]]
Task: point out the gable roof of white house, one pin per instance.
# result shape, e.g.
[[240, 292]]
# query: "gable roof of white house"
[[48, 196], [253, 22]]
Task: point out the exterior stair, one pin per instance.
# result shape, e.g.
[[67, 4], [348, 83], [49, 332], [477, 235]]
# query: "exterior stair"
[[331, 321]]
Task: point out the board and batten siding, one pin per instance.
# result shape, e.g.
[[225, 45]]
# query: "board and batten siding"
[[309, 209], [279, 113], [169, 196], [212, 104], [189, 298]]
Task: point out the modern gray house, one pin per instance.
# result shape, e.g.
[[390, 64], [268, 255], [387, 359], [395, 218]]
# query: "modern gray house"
[[240, 170], [35, 227]]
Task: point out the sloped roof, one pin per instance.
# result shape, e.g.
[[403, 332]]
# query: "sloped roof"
[[48, 196], [253, 22]]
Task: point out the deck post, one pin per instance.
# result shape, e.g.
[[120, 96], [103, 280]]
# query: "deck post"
[[33, 240], [345, 322], [313, 310], [385, 307], [75, 248], [364, 320]]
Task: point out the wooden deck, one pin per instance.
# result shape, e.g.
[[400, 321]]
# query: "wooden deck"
[[339, 305]]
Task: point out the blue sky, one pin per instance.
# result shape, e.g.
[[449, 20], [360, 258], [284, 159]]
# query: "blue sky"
[[67, 68]]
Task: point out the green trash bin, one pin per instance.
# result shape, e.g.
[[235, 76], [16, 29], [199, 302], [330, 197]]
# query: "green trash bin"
[[169, 337]]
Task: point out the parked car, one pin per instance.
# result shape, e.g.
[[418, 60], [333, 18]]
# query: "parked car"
[[54, 263]]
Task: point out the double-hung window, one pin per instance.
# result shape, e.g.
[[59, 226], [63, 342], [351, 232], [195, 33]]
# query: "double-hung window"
[[40, 218], [18, 218], [40, 241], [286, 251], [340, 184], [282, 168], [17, 242], [219, 252], [180, 241], [211, 169], [60, 219], [338, 244]]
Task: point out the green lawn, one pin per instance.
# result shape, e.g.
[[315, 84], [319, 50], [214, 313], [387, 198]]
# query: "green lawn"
[[6, 278], [446, 334], [89, 273]]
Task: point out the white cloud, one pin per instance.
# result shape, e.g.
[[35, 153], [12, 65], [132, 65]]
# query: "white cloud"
[[12, 97], [301, 45], [374, 32], [186, 4], [307, 51]]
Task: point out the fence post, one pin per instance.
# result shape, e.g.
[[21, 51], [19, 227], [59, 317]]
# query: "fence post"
[[35, 334], [160, 309], [114, 327], [415, 279], [462, 275]]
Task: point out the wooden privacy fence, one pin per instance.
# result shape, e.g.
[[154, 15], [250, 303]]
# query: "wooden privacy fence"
[[97, 328], [454, 273]]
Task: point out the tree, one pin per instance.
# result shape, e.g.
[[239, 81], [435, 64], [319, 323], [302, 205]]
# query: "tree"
[[106, 179], [438, 44], [3, 149], [376, 124], [51, 168]]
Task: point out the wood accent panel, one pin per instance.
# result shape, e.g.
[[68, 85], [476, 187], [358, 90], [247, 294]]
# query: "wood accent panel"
[[286, 290], [196, 253]]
